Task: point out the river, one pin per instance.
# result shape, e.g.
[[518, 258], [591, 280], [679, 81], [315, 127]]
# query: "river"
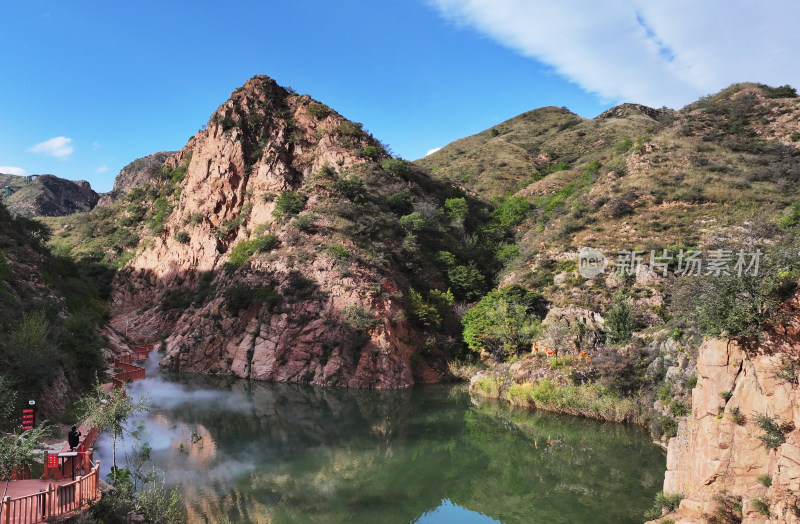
[[243, 451]]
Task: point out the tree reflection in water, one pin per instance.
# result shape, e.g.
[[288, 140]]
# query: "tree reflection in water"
[[260, 452]]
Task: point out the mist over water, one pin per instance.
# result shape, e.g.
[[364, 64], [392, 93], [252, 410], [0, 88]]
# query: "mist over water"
[[244, 451]]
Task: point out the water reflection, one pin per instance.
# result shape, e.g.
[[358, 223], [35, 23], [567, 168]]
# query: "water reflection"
[[257, 452]]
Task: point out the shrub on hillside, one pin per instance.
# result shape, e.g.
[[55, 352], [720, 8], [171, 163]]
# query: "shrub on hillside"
[[619, 321], [318, 111], [467, 282], [288, 203], [241, 296], [351, 188], [504, 322], [396, 167], [370, 152], [359, 319], [399, 202]]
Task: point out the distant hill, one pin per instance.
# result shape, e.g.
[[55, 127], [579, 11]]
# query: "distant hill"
[[45, 195]]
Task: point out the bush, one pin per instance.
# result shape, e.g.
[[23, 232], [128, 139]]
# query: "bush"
[[466, 282], [351, 188], [370, 152], [338, 252], [678, 408], [765, 480], [774, 430], [359, 319], [305, 223], [349, 128], [227, 122], [288, 203], [396, 167], [664, 501], [182, 237], [736, 305], [619, 322], [726, 395], [668, 426], [422, 311], [318, 111], [456, 208], [240, 296], [512, 211], [794, 137], [623, 146], [245, 249], [728, 510], [504, 321], [761, 505], [399, 202], [5, 268], [784, 91], [414, 222]]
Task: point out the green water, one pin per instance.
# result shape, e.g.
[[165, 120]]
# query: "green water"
[[256, 452]]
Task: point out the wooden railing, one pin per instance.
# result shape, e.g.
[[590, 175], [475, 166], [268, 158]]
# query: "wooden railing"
[[55, 501], [128, 372]]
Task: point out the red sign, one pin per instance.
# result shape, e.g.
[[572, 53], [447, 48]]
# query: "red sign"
[[28, 418], [52, 461]]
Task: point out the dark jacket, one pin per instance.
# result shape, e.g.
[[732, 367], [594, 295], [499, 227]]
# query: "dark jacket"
[[74, 438]]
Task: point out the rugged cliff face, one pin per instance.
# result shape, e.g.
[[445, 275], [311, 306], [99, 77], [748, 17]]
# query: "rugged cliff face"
[[740, 443], [270, 259]]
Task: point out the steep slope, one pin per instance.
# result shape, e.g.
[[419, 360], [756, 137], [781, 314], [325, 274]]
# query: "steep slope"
[[49, 314], [283, 243], [45, 195], [739, 446], [718, 180]]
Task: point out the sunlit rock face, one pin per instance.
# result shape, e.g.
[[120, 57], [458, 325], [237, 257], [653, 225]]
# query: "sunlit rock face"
[[291, 323], [720, 447]]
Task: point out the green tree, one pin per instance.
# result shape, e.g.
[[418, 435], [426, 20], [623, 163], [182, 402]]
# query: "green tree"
[[30, 354], [512, 211], [504, 322], [110, 413], [466, 282], [288, 203], [17, 450], [619, 321], [457, 209]]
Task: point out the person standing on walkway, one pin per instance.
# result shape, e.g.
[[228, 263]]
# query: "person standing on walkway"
[[74, 438]]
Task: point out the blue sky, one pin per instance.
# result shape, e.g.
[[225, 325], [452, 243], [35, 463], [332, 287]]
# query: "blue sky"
[[90, 86]]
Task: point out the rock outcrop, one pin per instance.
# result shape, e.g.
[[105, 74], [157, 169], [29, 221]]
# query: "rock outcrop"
[[722, 448], [46, 195], [297, 314], [133, 175]]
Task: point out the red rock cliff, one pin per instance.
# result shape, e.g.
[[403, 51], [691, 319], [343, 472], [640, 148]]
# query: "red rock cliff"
[[719, 452], [303, 317]]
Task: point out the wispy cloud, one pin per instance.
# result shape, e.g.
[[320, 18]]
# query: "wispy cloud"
[[59, 147], [96, 145], [655, 53], [432, 151], [101, 169], [11, 170]]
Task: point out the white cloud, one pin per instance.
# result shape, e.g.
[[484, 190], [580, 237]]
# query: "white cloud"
[[101, 169], [11, 170], [59, 147], [432, 151], [96, 145], [655, 53]]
